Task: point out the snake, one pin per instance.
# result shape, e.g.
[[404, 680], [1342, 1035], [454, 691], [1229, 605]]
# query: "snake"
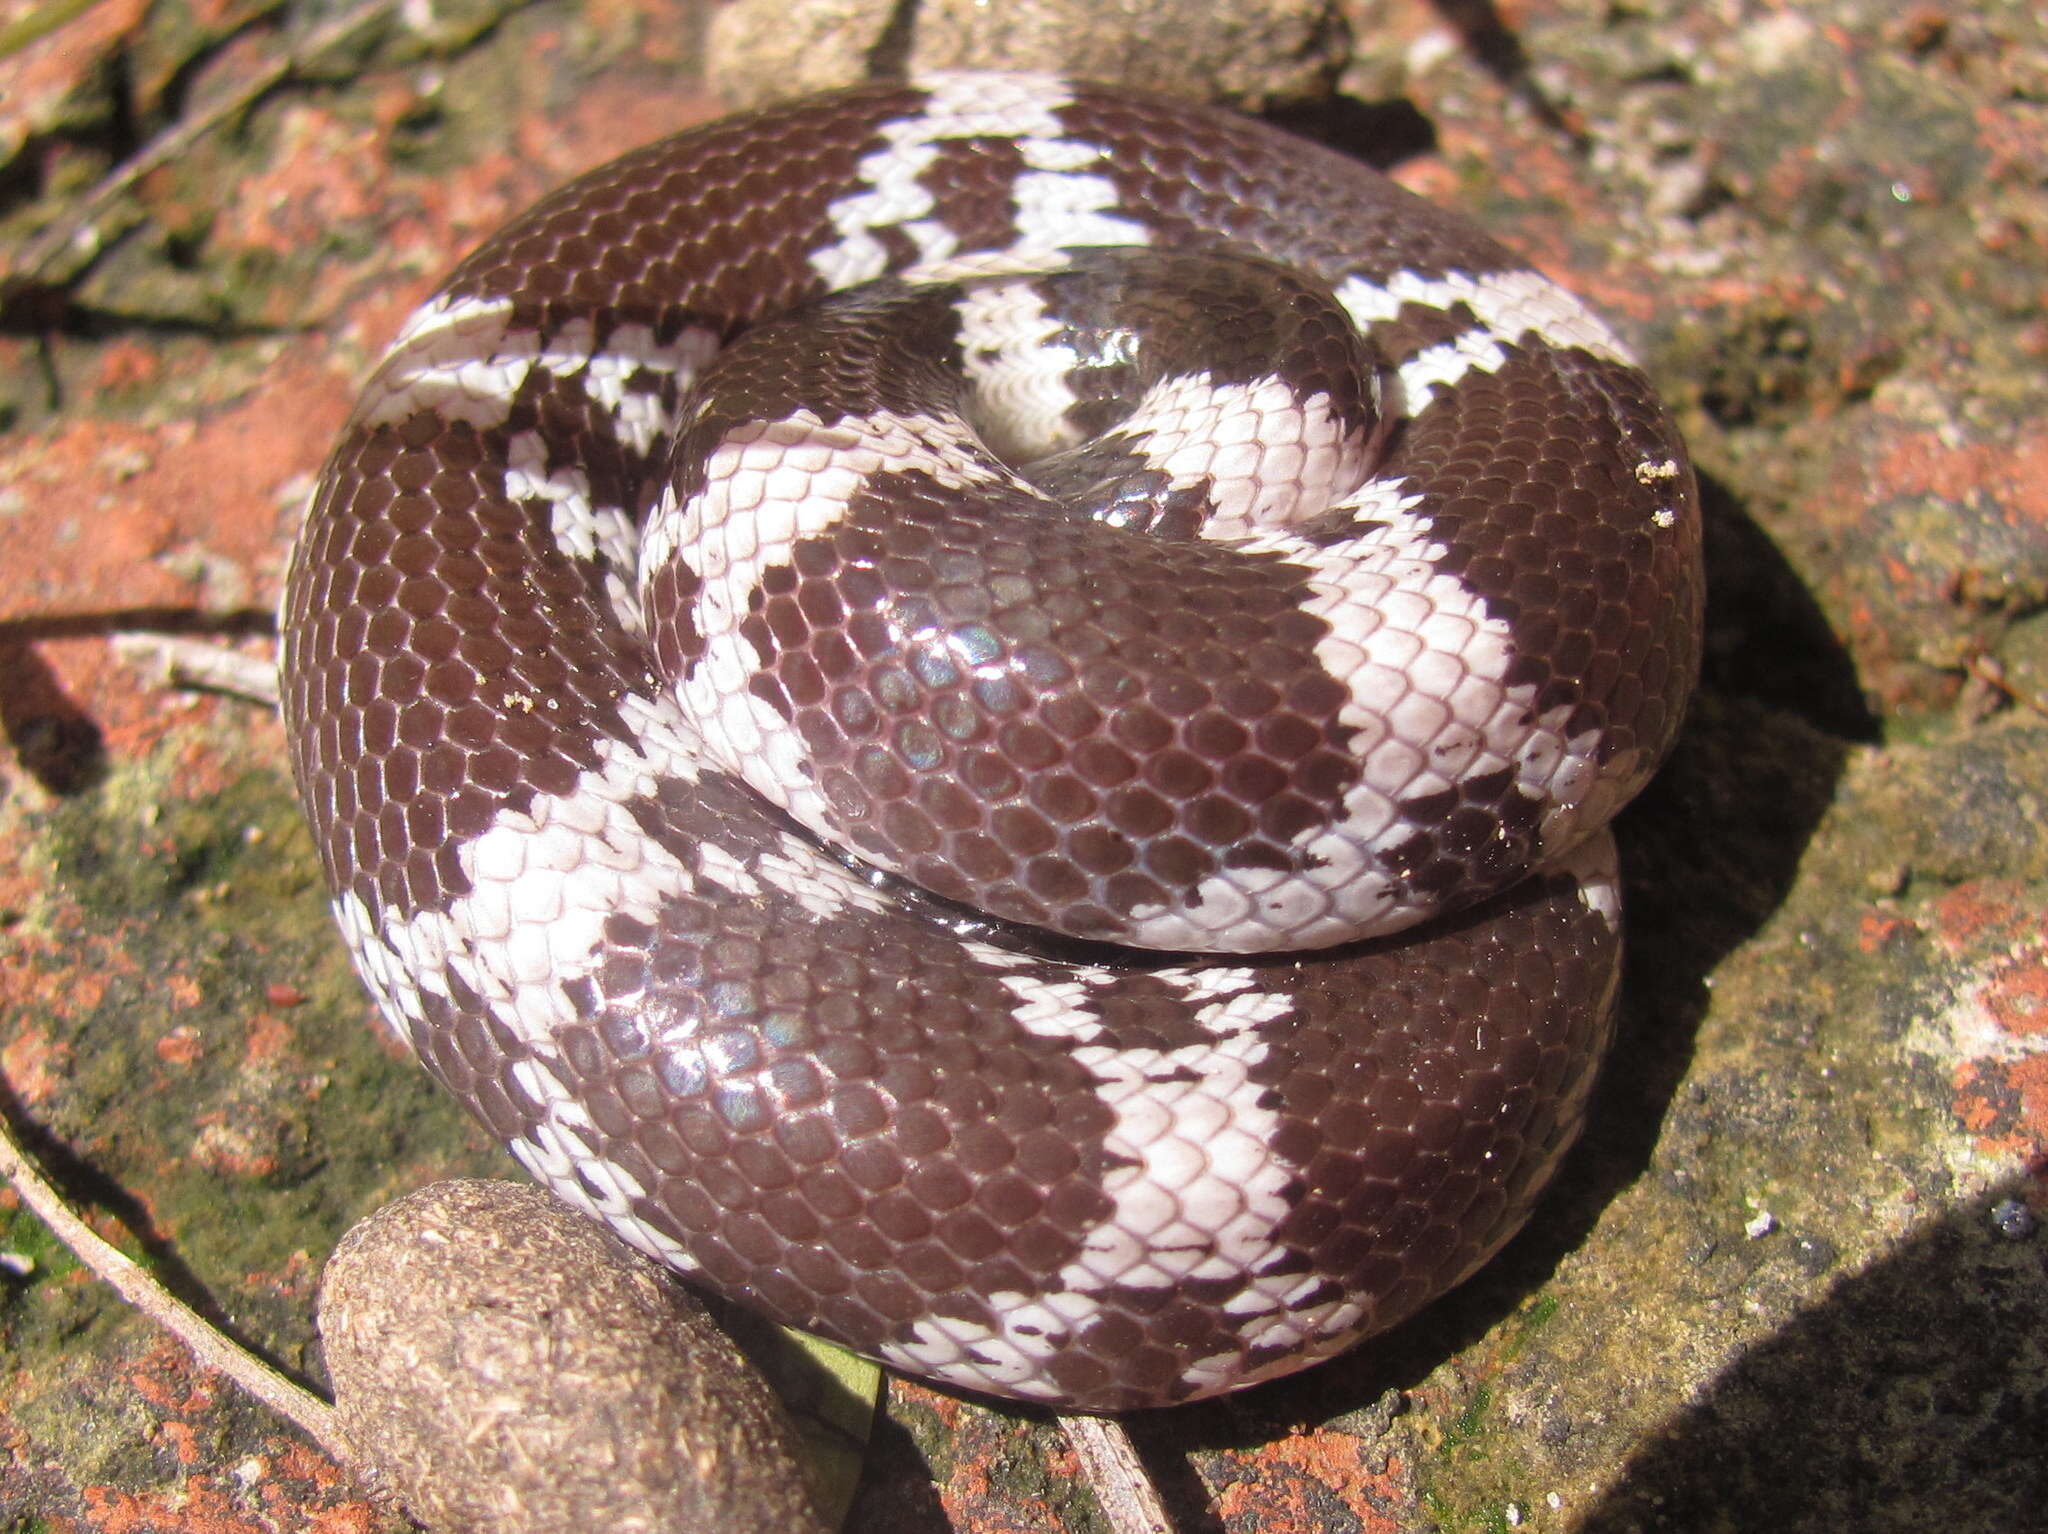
[[983, 711]]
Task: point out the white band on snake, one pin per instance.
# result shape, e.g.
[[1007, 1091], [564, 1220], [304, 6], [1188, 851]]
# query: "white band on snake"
[[983, 714]]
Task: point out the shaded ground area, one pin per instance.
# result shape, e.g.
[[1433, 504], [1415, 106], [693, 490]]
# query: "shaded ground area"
[[1786, 1283]]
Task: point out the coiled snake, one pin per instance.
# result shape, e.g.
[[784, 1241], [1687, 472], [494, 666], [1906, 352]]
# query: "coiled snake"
[[1149, 528]]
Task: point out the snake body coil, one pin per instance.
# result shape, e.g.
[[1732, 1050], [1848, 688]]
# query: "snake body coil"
[[684, 634]]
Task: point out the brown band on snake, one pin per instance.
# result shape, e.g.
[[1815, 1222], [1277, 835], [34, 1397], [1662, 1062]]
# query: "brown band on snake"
[[573, 705]]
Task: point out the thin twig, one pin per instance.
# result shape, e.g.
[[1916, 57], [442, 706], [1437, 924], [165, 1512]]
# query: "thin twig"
[[1110, 1465], [74, 232], [1989, 670], [198, 663], [213, 1351]]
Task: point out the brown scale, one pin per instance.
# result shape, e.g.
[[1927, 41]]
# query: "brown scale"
[[1045, 717], [842, 1119], [1152, 718], [847, 1168]]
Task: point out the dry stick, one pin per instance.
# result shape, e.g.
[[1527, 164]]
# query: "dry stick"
[[201, 664], [313, 1415], [1110, 1465], [1990, 671], [75, 233]]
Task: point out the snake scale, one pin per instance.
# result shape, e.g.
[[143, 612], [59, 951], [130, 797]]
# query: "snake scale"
[[982, 713]]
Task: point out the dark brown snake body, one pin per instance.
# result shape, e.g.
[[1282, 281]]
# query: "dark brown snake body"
[[666, 677]]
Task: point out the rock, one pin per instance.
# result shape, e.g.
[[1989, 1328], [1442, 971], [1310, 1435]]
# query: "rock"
[[500, 1364], [1249, 51]]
